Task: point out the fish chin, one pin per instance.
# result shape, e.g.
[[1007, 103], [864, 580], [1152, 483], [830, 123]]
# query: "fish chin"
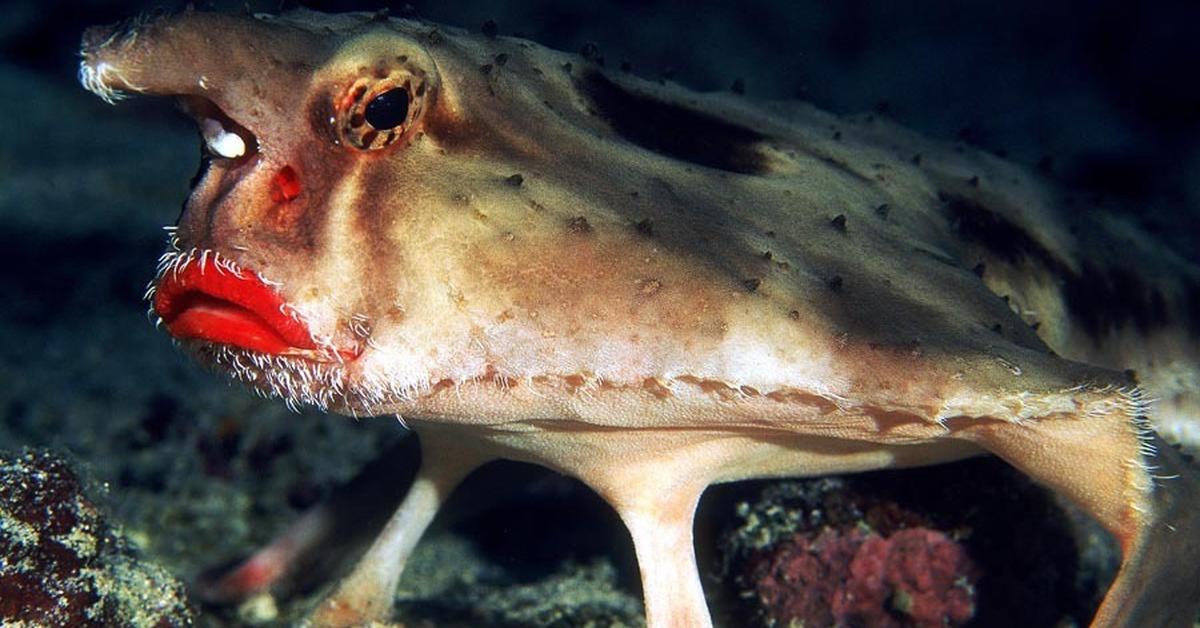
[[296, 380]]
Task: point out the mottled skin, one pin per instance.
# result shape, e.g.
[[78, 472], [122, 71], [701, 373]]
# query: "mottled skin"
[[679, 289]]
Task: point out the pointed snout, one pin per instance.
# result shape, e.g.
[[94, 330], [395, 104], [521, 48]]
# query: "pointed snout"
[[249, 66]]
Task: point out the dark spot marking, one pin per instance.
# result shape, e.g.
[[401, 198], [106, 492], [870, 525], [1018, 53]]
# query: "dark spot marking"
[[973, 181], [489, 29], [979, 269], [794, 315], [1104, 300], [1003, 238], [486, 69], [645, 227], [674, 130], [1100, 299], [515, 180], [578, 226], [916, 159], [996, 329], [501, 59], [751, 284], [767, 255], [591, 52], [883, 210], [839, 223], [837, 136], [835, 283], [567, 67]]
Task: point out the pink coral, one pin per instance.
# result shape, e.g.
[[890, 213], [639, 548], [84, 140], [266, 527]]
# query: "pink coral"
[[914, 577]]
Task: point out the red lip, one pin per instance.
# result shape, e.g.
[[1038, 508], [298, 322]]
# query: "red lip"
[[209, 303]]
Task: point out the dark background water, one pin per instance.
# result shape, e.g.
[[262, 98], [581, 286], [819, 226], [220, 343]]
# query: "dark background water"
[[1100, 95], [1102, 91]]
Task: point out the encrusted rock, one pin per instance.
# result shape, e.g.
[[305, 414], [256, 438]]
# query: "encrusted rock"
[[62, 565]]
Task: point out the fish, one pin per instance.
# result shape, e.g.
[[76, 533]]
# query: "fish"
[[526, 256]]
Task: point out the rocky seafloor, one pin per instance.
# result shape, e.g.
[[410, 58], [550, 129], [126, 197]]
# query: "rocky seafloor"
[[126, 471]]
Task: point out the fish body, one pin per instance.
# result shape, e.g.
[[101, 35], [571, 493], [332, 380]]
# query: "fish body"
[[526, 256]]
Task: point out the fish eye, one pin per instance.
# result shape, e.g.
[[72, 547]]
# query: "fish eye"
[[388, 110], [380, 108]]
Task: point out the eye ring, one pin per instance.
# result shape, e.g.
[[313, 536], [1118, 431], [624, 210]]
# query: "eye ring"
[[378, 110]]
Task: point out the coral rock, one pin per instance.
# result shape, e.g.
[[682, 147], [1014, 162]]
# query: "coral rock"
[[915, 577], [62, 565]]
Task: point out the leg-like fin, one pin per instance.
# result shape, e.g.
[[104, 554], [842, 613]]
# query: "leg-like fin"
[[315, 544], [667, 560], [1136, 487], [1159, 581], [367, 593], [659, 518]]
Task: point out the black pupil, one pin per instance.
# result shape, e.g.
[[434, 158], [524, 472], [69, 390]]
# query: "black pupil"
[[387, 110]]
